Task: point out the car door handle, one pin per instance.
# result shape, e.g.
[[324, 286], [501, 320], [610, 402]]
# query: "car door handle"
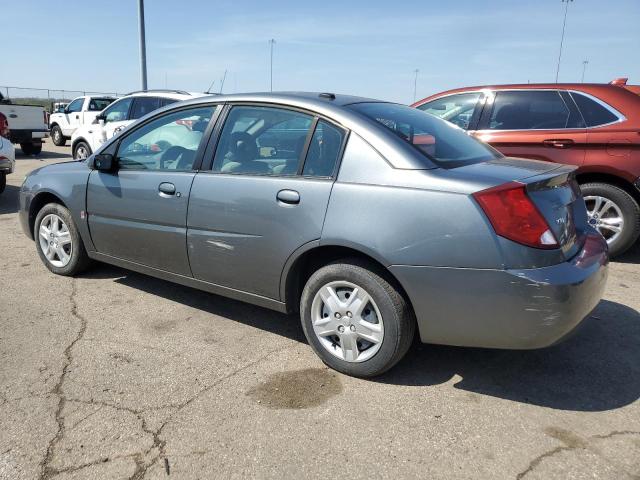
[[77, 117], [290, 197], [559, 143], [166, 189]]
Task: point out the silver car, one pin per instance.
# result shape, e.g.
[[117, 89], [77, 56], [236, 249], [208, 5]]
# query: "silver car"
[[371, 219]]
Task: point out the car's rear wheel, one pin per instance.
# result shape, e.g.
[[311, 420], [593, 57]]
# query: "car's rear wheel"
[[355, 319], [614, 213], [31, 148], [58, 241], [81, 150], [57, 136]]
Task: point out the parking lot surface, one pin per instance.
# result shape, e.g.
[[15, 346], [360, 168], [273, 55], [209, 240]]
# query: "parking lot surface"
[[118, 375]]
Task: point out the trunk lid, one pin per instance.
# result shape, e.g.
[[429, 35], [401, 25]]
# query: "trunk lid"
[[550, 186]]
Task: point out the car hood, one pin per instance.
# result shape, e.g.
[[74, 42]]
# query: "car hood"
[[57, 169]]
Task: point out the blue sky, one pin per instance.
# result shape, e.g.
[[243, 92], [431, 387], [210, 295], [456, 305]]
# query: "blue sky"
[[368, 48]]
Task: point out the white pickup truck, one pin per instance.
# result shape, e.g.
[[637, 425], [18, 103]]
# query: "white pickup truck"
[[27, 125], [81, 111]]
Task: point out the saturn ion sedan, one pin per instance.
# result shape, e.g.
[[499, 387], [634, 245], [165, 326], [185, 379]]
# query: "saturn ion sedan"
[[371, 219]]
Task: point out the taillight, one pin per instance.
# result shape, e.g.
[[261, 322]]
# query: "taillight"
[[514, 216], [45, 117], [4, 126]]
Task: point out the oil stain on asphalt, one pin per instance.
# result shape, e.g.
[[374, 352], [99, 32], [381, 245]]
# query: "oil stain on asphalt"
[[297, 389]]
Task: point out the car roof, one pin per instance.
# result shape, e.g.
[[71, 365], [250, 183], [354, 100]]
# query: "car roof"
[[597, 89]]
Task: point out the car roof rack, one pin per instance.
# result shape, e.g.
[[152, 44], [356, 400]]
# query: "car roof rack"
[[160, 90]]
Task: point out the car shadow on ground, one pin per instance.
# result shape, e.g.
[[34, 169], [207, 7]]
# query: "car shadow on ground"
[[630, 256], [9, 200], [596, 369], [44, 155]]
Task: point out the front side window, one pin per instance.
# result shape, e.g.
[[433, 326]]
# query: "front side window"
[[144, 105], [441, 142], [99, 104], [262, 140], [457, 109], [531, 110], [169, 142], [76, 105], [118, 111], [593, 112]]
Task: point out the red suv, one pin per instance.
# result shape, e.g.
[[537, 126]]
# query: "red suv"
[[593, 126]]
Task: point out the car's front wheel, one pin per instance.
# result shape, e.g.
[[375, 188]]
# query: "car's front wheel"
[[58, 241], [81, 150], [57, 136], [614, 213], [355, 319]]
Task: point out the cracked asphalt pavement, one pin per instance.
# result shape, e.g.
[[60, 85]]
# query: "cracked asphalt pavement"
[[115, 375]]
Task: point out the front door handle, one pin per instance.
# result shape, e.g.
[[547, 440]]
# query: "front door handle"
[[290, 197], [559, 143], [166, 189], [77, 117]]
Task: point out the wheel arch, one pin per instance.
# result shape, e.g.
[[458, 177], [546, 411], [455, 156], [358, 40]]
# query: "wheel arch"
[[39, 201], [600, 177], [312, 256]]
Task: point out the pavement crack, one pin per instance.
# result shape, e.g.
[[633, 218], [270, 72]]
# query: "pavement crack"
[[46, 471], [158, 443], [572, 442]]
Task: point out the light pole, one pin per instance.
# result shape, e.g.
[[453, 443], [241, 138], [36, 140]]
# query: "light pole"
[[143, 47], [584, 68], [271, 44], [564, 22], [415, 84]]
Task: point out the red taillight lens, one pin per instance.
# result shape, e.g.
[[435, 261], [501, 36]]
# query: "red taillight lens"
[[4, 126], [514, 216]]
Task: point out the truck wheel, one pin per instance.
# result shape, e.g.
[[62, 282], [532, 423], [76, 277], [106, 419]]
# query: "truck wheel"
[[81, 150], [3, 181], [614, 213], [356, 320], [31, 148], [57, 136]]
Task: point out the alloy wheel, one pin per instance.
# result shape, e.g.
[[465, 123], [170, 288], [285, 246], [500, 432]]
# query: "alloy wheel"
[[81, 152], [347, 321], [606, 216], [55, 240]]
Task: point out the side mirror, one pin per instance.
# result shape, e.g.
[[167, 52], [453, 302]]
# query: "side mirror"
[[104, 162], [100, 116]]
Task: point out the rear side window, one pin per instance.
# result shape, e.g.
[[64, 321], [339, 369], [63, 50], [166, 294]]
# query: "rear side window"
[[262, 141], [441, 142], [593, 112], [324, 150], [531, 110], [144, 105], [99, 104], [457, 109]]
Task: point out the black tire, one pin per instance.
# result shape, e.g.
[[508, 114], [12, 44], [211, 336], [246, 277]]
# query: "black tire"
[[31, 148], [398, 317], [630, 214], [79, 261], [77, 146], [3, 181], [57, 137]]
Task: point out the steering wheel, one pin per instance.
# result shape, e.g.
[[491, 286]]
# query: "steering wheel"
[[172, 153]]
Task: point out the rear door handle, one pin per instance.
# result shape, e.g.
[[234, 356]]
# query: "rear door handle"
[[290, 197], [167, 189], [558, 143]]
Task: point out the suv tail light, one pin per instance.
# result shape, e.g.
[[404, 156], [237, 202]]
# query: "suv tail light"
[[45, 116], [514, 216], [4, 126]]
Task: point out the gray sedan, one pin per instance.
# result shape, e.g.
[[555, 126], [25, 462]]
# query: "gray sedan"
[[369, 218]]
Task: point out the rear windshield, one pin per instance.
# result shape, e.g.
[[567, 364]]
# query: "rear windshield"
[[441, 142]]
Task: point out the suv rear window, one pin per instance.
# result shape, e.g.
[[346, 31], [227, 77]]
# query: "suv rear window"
[[593, 112], [441, 142]]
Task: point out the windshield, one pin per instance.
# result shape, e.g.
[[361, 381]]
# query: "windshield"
[[441, 142]]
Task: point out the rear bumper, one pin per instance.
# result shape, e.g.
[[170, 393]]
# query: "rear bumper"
[[515, 309], [28, 136]]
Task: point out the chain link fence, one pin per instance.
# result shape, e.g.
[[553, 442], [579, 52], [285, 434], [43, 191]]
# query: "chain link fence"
[[45, 96]]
